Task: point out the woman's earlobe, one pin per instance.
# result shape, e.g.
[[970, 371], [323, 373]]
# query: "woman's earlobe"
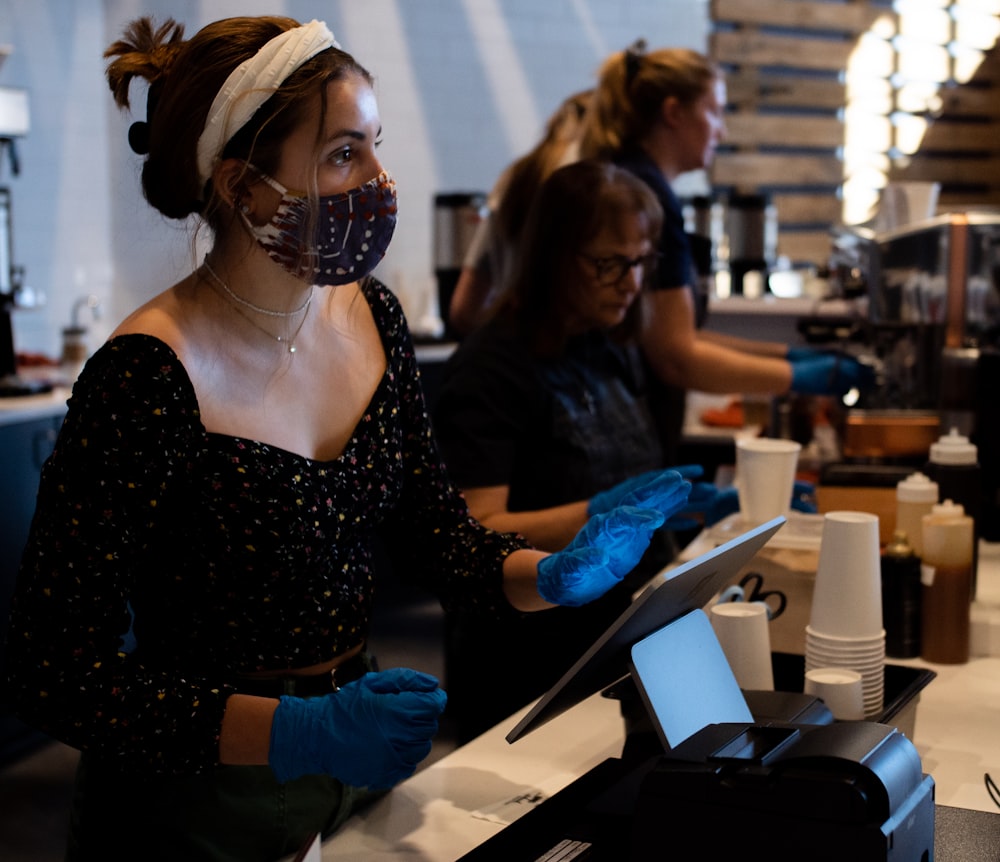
[[229, 180]]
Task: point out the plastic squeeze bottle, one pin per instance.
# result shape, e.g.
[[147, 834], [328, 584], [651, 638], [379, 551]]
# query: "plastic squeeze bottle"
[[916, 495], [946, 578], [954, 465]]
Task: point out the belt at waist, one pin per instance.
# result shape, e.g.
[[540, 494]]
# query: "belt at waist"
[[311, 685]]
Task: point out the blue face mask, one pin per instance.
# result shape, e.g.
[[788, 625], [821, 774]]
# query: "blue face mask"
[[352, 231]]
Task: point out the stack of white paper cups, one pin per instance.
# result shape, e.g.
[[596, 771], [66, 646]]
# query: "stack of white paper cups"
[[845, 626]]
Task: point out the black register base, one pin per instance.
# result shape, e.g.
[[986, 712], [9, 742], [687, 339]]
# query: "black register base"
[[792, 785]]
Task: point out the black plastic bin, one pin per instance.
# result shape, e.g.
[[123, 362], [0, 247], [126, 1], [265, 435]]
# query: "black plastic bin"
[[902, 688], [902, 694]]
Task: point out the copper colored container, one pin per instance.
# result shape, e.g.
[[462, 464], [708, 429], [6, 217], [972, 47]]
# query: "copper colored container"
[[889, 433]]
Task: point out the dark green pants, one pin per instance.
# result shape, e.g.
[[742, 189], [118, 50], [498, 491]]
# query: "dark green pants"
[[226, 814]]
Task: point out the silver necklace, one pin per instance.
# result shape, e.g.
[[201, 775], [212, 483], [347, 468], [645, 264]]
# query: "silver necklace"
[[281, 339], [246, 303]]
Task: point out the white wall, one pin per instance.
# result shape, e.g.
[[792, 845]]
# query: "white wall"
[[464, 86], [61, 203]]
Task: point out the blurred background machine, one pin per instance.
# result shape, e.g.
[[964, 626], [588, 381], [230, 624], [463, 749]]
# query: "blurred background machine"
[[929, 323]]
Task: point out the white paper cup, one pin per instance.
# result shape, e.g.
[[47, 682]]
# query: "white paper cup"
[[840, 689], [872, 671], [847, 595], [765, 477], [741, 628]]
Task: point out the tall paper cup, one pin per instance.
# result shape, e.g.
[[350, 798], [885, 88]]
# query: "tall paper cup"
[[765, 477], [839, 688], [741, 628], [847, 596]]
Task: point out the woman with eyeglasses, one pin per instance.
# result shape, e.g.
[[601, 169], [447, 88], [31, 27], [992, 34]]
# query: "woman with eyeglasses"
[[660, 114], [543, 417]]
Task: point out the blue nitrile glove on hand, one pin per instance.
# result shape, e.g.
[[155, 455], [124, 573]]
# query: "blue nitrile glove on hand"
[[799, 353], [701, 500], [607, 548], [829, 374], [663, 490], [371, 733], [804, 497], [727, 501]]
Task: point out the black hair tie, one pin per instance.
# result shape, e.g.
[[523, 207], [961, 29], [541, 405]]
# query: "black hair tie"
[[138, 132], [633, 60], [138, 137]]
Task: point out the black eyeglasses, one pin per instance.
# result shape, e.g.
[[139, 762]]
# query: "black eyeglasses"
[[612, 269]]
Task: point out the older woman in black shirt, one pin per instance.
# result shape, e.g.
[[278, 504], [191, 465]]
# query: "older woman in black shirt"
[[543, 410]]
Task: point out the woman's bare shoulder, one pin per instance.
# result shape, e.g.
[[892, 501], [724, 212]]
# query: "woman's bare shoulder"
[[163, 316]]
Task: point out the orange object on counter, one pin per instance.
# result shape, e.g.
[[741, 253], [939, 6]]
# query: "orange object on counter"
[[730, 416]]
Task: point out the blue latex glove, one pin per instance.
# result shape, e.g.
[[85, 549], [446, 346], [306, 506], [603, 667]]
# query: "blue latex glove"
[[830, 374], [702, 500], [798, 353], [727, 501], [371, 733], [804, 497], [602, 553], [663, 490]]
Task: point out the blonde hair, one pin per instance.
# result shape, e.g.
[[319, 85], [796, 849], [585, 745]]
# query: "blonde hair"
[[526, 174], [631, 87]]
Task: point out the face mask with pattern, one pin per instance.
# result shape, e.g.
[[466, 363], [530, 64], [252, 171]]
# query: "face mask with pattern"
[[352, 231]]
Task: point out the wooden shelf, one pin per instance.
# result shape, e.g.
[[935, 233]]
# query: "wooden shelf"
[[785, 63]]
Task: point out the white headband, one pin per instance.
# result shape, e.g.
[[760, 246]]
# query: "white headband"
[[252, 83]]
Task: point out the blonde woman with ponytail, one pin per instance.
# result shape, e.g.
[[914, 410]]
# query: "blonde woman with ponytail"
[[660, 114]]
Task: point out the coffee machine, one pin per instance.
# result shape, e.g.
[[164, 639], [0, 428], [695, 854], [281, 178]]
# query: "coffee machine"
[[932, 330]]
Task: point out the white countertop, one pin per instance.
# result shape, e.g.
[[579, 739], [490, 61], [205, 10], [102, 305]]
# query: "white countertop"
[[771, 305], [24, 408], [458, 802]]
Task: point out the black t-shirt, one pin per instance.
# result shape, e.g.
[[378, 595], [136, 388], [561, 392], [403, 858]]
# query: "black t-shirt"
[[675, 271], [554, 430]]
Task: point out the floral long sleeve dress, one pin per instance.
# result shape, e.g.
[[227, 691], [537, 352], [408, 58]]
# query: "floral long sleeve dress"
[[233, 556]]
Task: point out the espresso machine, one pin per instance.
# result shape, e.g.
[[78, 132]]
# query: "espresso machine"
[[931, 293]]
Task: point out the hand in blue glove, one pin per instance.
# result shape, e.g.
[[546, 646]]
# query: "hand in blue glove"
[[663, 490], [830, 374], [802, 352], [804, 497], [725, 503], [371, 733], [797, 353], [702, 500], [602, 553]]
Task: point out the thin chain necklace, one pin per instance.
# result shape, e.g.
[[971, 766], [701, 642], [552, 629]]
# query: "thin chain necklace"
[[281, 339], [246, 303]]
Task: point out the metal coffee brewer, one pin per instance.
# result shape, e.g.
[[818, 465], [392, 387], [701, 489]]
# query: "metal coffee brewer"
[[752, 232]]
